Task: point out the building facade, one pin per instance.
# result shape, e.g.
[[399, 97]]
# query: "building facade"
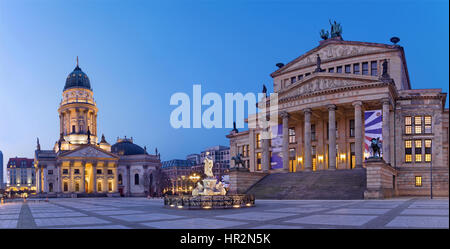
[[79, 165], [179, 171], [334, 99], [20, 174]]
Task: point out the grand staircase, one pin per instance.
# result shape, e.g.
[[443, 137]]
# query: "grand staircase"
[[324, 184]]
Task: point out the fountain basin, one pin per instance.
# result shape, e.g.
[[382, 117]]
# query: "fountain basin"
[[209, 201]]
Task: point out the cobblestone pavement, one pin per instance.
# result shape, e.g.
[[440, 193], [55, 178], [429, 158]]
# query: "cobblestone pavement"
[[125, 213]]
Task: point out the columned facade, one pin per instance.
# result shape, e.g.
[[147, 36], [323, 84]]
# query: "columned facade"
[[337, 98]]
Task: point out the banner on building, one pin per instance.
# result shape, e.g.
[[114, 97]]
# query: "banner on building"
[[276, 160], [372, 129]]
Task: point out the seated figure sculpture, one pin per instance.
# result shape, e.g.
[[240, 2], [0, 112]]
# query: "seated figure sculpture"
[[209, 187]]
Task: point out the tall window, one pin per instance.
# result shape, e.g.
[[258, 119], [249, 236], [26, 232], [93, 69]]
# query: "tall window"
[[347, 69], [119, 181], [66, 187], [313, 132], [291, 135], [408, 125], [418, 125], [293, 80], [258, 140], [408, 151], [427, 121], [373, 68], [99, 186], [136, 179], [365, 68], [418, 181], [352, 155], [356, 68], [313, 157], [418, 150], [339, 69], [50, 187], [77, 186], [73, 128], [292, 161], [110, 186], [352, 127], [427, 150], [258, 161]]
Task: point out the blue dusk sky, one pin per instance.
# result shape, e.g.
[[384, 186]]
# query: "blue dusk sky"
[[138, 53]]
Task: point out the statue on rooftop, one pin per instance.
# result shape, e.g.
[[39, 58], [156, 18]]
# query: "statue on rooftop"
[[336, 29]]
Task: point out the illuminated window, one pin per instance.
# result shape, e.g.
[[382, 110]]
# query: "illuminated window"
[[258, 161], [408, 151], [119, 181], [427, 150], [99, 186], [258, 140], [352, 155], [110, 186], [291, 135], [427, 121], [313, 156], [408, 125], [418, 150], [418, 124], [418, 181], [77, 186]]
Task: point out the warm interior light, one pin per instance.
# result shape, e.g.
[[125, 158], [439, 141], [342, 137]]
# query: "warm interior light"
[[342, 156], [300, 159], [320, 158], [236, 206]]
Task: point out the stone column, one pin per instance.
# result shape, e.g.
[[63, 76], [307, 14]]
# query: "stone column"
[[105, 177], [71, 183], [60, 177], [94, 177], [116, 178], [83, 178], [265, 154], [385, 132], [251, 135], [38, 179], [128, 192], [285, 153], [358, 134], [332, 137], [307, 134], [45, 181]]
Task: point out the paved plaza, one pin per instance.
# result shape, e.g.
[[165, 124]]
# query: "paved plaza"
[[142, 213]]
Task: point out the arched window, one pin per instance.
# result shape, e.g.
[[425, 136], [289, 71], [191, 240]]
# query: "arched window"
[[119, 181], [50, 187], [136, 179]]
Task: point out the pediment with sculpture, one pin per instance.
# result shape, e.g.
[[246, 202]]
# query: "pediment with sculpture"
[[320, 83], [88, 151], [331, 51]]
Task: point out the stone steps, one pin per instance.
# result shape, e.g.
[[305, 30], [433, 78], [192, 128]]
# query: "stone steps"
[[337, 184]]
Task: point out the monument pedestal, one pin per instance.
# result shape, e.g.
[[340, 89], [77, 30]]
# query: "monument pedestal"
[[241, 181], [380, 179]]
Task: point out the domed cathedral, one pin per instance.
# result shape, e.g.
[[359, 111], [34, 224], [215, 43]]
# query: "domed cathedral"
[[79, 165]]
